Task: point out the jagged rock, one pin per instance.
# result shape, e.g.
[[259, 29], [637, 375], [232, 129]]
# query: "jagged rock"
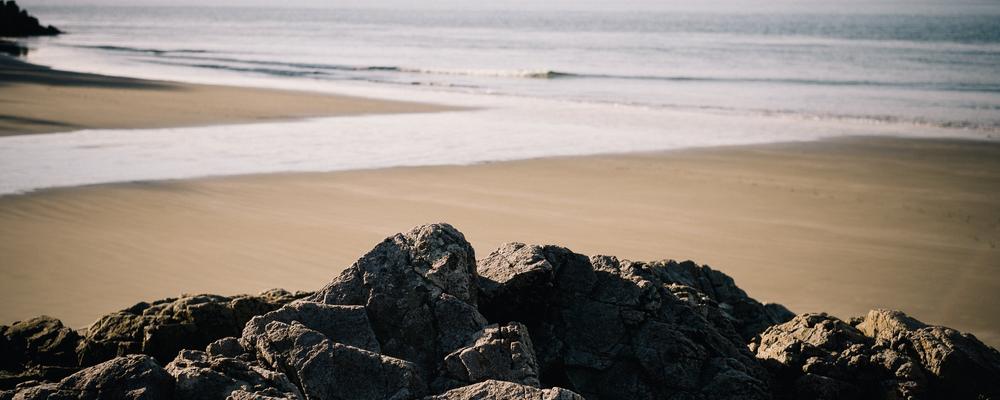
[[958, 364], [341, 324], [606, 328], [16, 22], [226, 347], [200, 376], [415, 317], [37, 349], [329, 370], [501, 390], [165, 327], [419, 291], [887, 355], [498, 352], [751, 316], [134, 377]]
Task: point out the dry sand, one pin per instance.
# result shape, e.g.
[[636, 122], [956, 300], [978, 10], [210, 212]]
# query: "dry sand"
[[36, 99], [840, 226]]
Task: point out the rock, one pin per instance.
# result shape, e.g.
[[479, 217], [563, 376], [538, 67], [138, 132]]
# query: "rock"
[[134, 377], [498, 352], [752, 317], [226, 347], [16, 22], [958, 365], [199, 375], [37, 349], [165, 327], [326, 370], [12, 48], [419, 291], [341, 324], [501, 390], [606, 328], [417, 317], [887, 355]]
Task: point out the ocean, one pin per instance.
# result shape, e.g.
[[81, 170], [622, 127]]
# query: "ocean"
[[563, 78]]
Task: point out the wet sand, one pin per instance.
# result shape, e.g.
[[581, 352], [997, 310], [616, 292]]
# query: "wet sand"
[[840, 226], [36, 99]]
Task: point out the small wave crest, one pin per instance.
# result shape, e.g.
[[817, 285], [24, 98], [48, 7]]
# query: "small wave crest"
[[144, 50], [495, 73]]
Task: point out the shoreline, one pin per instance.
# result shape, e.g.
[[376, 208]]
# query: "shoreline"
[[583, 157], [41, 100], [841, 225]]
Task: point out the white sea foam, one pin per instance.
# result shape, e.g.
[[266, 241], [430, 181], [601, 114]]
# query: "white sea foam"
[[505, 128]]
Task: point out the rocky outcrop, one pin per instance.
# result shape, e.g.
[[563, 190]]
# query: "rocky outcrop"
[[134, 377], [342, 324], [501, 390], [419, 290], [12, 48], [419, 318], [16, 22], [750, 316], [165, 327], [883, 355], [497, 352], [37, 349], [607, 328], [202, 376]]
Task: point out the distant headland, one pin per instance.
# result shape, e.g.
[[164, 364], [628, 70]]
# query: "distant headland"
[[16, 22]]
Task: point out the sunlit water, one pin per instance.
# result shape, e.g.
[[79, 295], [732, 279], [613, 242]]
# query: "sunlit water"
[[556, 80]]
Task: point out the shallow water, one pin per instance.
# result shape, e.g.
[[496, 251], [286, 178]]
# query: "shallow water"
[[559, 79]]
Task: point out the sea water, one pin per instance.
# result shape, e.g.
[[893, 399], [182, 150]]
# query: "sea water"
[[552, 79]]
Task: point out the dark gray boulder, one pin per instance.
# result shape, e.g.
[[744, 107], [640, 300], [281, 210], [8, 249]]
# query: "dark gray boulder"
[[957, 364], [201, 376], [883, 355], [134, 377], [419, 291], [165, 327], [501, 390], [341, 324], [323, 369], [37, 349], [606, 328], [751, 317], [497, 352]]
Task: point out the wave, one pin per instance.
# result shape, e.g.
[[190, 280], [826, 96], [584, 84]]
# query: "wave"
[[203, 59], [513, 73], [144, 50]]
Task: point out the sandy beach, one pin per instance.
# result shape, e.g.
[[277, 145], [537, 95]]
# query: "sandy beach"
[[841, 225], [36, 99]]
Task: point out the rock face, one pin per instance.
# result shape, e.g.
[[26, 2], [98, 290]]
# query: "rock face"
[[615, 329], [16, 22], [201, 376], [165, 327], [419, 290], [134, 377], [37, 349], [883, 355], [750, 316], [497, 352], [501, 390], [419, 318]]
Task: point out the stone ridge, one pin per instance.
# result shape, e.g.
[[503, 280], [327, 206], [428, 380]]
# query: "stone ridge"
[[418, 317]]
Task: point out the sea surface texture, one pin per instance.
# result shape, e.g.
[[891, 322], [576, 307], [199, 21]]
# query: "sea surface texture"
[[555, 79]]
